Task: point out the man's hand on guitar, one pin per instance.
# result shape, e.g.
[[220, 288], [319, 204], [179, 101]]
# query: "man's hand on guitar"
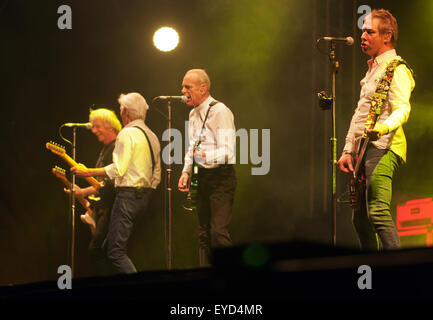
[[378, 131], [78, 191], [346, 163], [80, 170], [183, 182]]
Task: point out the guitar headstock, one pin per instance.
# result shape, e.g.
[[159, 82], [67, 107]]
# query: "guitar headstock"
[[56, 148], [59, 172]]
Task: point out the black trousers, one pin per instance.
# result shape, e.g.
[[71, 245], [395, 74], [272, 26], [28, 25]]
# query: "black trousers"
[[215, 197], [97, 251]]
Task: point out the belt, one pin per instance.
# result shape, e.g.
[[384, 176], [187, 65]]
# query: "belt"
[[136, 189], [221, 167]]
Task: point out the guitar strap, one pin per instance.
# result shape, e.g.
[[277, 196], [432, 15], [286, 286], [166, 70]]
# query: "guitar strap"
[[204, 122], [381, 93], [150, 146]]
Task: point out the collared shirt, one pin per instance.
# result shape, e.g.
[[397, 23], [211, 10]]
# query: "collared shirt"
[[217, 139], [132, 162], [395, 111]]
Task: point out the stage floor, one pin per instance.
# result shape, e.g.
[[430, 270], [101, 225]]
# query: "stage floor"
[[259, 274]]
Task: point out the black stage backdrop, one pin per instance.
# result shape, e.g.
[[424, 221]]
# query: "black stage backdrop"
[[264, 64]]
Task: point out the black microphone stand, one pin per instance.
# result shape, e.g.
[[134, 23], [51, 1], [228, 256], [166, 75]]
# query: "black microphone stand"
[[168, 191], [335, 66], [327, 103], [71, 254], [72, 214]]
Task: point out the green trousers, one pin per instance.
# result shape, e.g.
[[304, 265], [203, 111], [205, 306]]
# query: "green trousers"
[[373, 221]]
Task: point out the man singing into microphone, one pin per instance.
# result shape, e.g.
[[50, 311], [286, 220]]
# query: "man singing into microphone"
[[388, 84], [212, 140]]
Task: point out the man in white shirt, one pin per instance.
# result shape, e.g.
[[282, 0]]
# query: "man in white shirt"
[[387, 149], [136, 171], [211, 126]]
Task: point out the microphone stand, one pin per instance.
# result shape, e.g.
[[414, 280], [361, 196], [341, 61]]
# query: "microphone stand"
[[168, 193], [335, 66], [169, 190], [72, 208], [71, 254]]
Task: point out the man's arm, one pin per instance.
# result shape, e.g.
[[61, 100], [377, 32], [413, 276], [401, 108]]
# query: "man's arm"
[[82, 192], [398, 97], [122, 155], [82, 171]]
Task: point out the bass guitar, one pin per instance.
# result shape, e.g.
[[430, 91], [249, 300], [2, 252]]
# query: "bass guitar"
[[357, 180], [88, 216]]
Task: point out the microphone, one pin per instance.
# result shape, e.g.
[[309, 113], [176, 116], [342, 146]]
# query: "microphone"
[[87, 125], [346, 40], [181, 98]]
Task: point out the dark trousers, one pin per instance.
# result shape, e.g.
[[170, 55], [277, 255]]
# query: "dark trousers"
[[97, 246], [215, 196], [373, 221], [128, 204]]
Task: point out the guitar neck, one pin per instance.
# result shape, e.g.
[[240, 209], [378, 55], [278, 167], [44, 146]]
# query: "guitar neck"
[[361, 154], [93, 182]]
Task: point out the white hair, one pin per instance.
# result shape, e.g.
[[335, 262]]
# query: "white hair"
[[136, 105]]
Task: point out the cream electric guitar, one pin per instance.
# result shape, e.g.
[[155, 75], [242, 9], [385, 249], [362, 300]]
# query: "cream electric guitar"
[[60, 151], [88, 216]]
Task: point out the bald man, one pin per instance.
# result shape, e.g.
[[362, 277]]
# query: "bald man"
[[212, 140]]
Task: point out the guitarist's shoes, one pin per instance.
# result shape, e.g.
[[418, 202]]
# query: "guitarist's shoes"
[[88, 219]]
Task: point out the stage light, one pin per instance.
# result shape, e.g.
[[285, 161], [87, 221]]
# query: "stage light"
[[165, 39]]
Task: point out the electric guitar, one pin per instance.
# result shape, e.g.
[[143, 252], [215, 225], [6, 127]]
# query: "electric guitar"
[[357, 180], [191, 197], [60, 151], [88, 216]]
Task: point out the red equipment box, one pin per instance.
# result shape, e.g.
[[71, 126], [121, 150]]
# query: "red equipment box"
[[415, 217]]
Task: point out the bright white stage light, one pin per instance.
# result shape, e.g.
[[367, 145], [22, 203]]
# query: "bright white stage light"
[[165, 39]]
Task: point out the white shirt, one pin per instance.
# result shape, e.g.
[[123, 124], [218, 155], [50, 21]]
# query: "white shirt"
[[218, 137], [132, 162], [395, 111]]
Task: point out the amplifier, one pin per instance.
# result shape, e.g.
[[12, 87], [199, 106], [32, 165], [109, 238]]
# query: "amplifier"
[[415, 221], [415, 214]]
